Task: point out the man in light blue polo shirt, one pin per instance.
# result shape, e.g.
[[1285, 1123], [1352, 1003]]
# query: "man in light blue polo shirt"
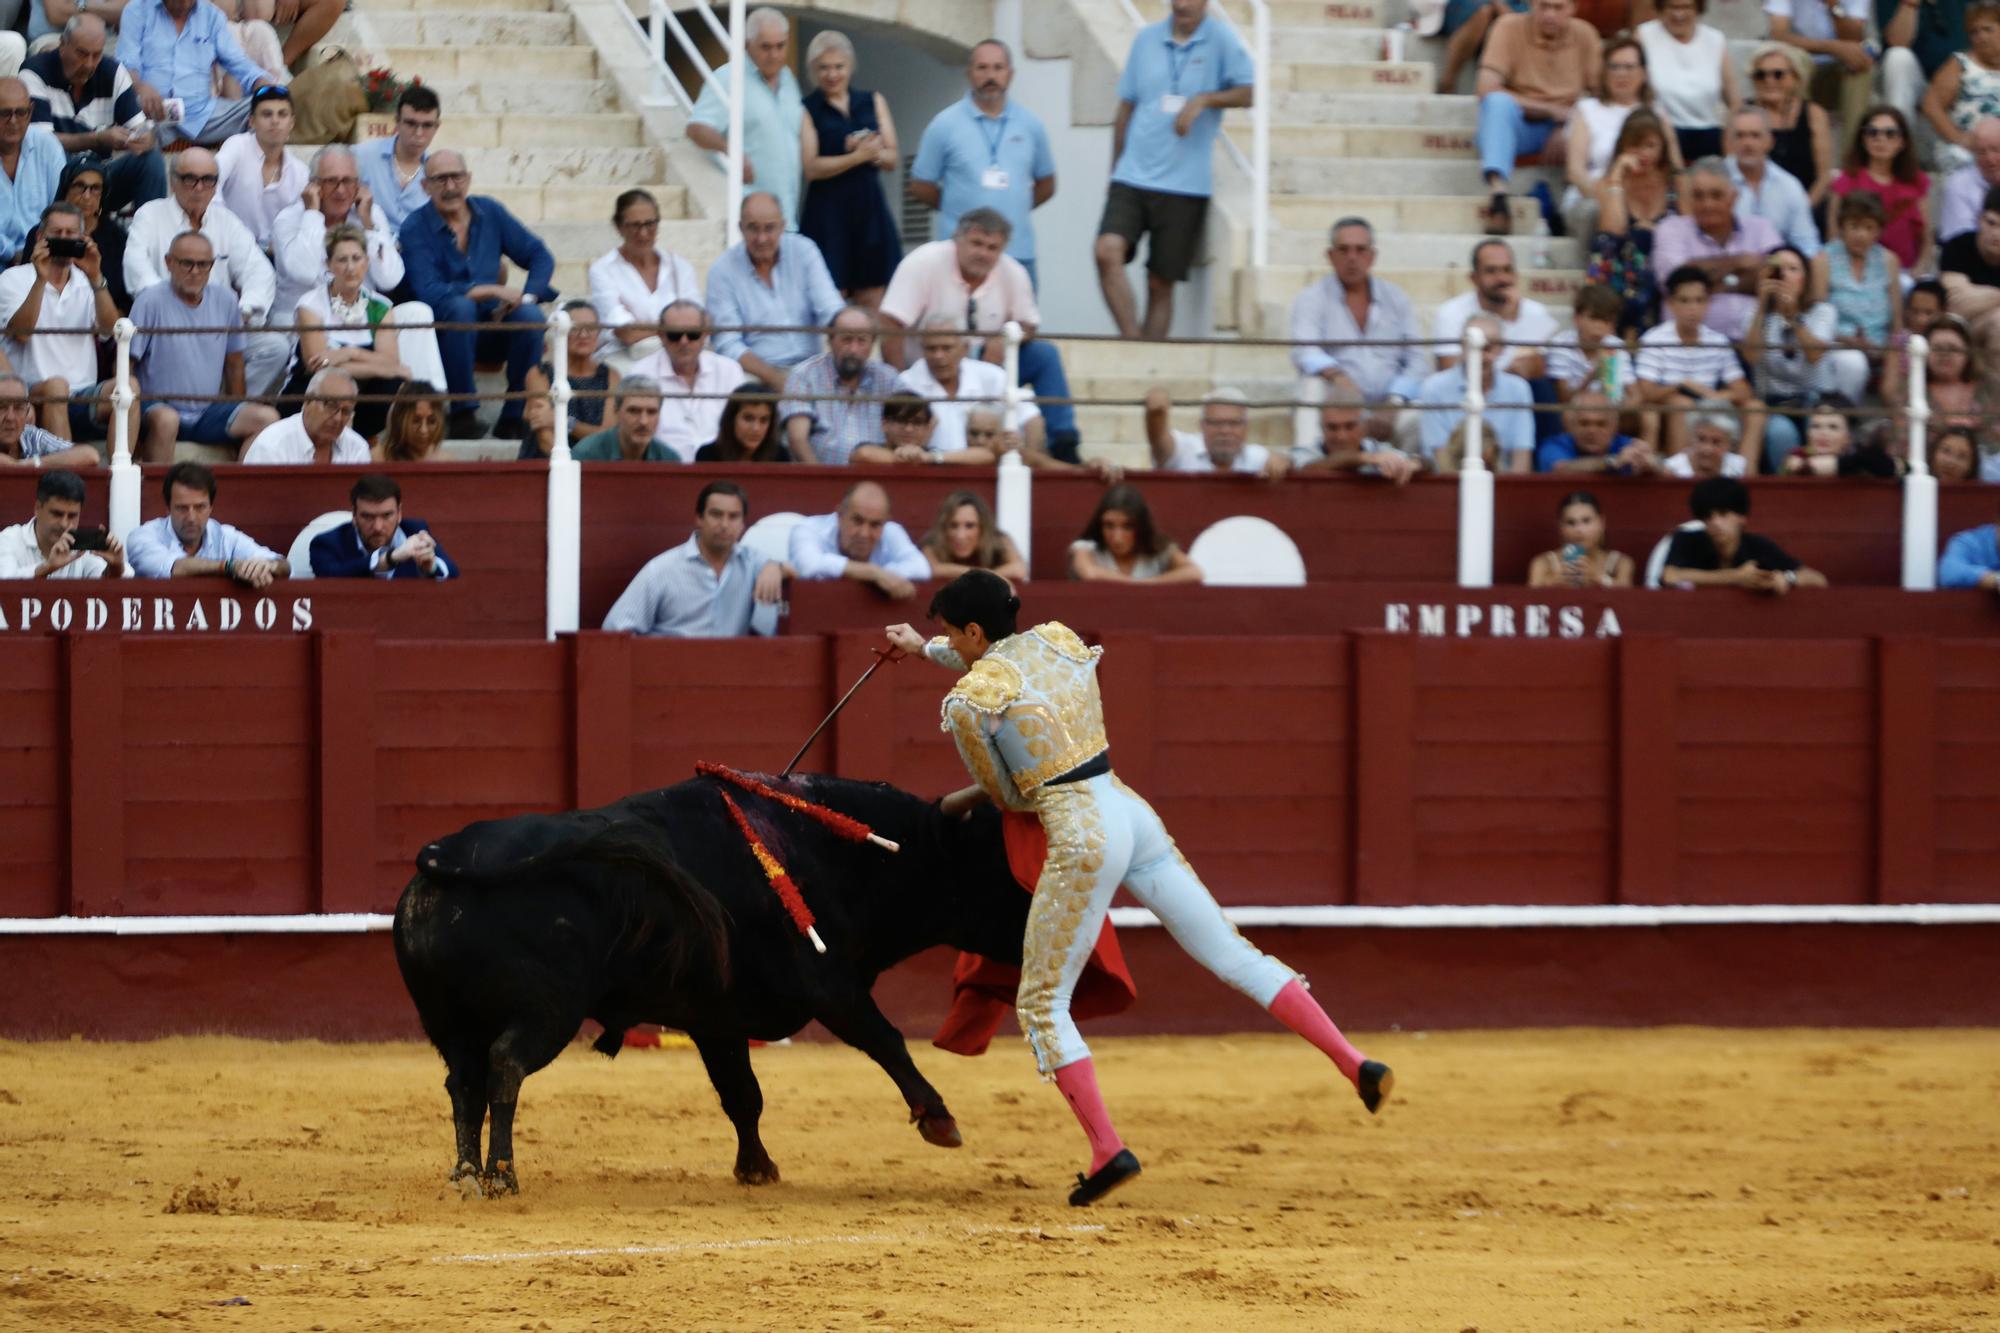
[[172, 48], [987, 152], [392, 167], [773, 280], [1181, 73], [772, 108]]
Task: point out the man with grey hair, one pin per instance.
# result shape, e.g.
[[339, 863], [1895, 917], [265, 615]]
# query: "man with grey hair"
[[632, 435], [90, 105], [1708, 234], [772, 109], [770, 280], [696, 382], [188, 357], [322, 432], [1965, 189], [1763, 188], [1220, 447], [1345, 445], [1348, 305], [832, 404], [953, 382]]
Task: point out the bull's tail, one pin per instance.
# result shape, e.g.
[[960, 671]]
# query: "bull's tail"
[[687, 944]]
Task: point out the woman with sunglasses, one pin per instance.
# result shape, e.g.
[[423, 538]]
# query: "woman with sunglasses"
[[637, 279], [1801, 134], [1884, 160]]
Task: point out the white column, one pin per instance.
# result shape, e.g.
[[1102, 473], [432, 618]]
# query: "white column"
[[565, 525], [124, 472], [1920, 493], [1014, 488], [739, 65], [1475, 482]]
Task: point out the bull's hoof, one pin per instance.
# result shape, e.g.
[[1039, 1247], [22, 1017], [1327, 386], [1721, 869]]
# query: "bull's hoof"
[[1374, 1082], [499, 1179], [466, 1177], [757, 1173], [940, 1131]]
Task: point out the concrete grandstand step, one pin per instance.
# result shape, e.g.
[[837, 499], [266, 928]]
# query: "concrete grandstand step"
[[581, 203], [521, 64], [1356, 76], [555, 167], [1097, 359], [431, 26], [611, 129], [697, 240], [1345, 108], [1414, 143], [569, 97], [1396, 248], [1452, 214], [374, 7], [1312, 44], [1290, 15], [1326, 175]]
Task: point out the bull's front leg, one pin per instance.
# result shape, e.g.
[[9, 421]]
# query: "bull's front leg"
[[727, 1059], [466, 1082], [855, 1020]]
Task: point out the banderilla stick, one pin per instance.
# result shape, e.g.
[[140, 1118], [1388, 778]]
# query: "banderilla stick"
[[881, 655]]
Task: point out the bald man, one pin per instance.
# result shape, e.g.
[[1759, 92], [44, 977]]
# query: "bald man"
[[859, 541], [452, 248]]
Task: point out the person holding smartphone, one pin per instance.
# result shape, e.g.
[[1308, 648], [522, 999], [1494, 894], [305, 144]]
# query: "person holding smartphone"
[[53, 309], [51, 545]]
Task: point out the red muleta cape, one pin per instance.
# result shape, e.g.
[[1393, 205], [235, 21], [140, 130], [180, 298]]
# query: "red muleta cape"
[[983, 990]]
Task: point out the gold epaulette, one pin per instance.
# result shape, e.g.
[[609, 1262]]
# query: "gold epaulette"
[[991, 685], [1065, 641]]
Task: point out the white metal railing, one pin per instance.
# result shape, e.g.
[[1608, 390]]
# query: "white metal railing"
[[663, 23], [1920, 493], [1257, 166], [565, 522], [1475, 480]]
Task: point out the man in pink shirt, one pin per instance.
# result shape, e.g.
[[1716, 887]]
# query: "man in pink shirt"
[[1711, 237], [971, 278]]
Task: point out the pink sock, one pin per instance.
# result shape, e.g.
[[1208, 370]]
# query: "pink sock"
[[1298, 1010], [1078, 1083]]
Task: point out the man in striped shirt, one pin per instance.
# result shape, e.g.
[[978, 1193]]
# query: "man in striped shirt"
[[822, 424], [92, 106], [1682, 361]]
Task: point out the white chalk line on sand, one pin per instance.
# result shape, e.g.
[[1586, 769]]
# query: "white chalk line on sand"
[[763, 1243]]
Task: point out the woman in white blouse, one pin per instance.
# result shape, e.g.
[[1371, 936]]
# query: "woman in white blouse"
[[632, 284], [342, 323], [1694, 85], [1593, 131]]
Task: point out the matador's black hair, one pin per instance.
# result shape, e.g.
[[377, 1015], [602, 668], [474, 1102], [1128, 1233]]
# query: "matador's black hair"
[[978, 597]]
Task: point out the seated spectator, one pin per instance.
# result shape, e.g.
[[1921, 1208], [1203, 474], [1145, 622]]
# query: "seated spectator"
[[697, 382], [380, 543], [415, 430], [1350, 305], [1952, 387], [1720, 554], [1180, 73], [1864, 279], [300, 23], [1220, 446], [986, 428], [89, 104], [832, 400], [1584, 561], [1792, 354], [1964, 84], [1122, 544], [1636, 195], [953, 382], [711, 586], [1955, 455], [24, 444], [859, 541], [45, 547], [971, 279], [771, 111], [170, 47], [591, 380], [1923, 306], [1801, 132], [452, 248], [1589, 355], [1920, 39], [60, 291], [746, 433], [1829, 439], [31, 168], [1969, 267], [240, 269], [1444, 395], [191, 384], [321, 432], [260, 179], [633, 436], [1693, 81], [1883, 162], [392, 167], [1763, 188], [1465, 27], [847, 142], [189, 542], [1972, 559], [1709, 236], [1450, 459], [1834, 33], [1714, 432], [344, 326], [1496, 293], [907, 427], [1590, 442], [1535, 67], [632, 284], [966, 536], [1966, 190], [1344, 444], [774, 279], [1684, 361], [83, 185], [1592, 130], [334, 197]]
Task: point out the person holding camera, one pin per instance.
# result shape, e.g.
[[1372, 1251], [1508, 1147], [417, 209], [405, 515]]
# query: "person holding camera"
[[51, 545], [46, 305]]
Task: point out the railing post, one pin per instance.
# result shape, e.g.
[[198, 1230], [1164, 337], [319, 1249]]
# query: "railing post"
[[1260, 139], [124, 472], [565, 526], [739, 65], [656, 29], [1920, 492], [1013, 488], [1475, 482]]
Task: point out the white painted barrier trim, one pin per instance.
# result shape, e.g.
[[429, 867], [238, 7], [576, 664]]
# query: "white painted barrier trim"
[[1497, 917]]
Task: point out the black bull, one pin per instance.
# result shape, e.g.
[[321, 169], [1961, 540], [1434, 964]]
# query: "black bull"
[[654, 910]]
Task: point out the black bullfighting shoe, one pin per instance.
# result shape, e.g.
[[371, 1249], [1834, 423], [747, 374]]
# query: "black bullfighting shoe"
[[1089, 1189], [1375, 1084]]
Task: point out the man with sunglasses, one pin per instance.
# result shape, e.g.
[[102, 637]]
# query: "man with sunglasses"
[[191, 383], [171, 48], [31, 167], [696, 383]]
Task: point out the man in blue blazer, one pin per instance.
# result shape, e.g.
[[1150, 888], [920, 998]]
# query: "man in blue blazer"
[[380, 543]]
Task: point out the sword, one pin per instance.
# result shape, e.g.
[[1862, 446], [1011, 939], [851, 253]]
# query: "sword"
[[881, 655]]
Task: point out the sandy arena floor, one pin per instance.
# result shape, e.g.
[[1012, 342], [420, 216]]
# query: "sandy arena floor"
[[1545, 1180]]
